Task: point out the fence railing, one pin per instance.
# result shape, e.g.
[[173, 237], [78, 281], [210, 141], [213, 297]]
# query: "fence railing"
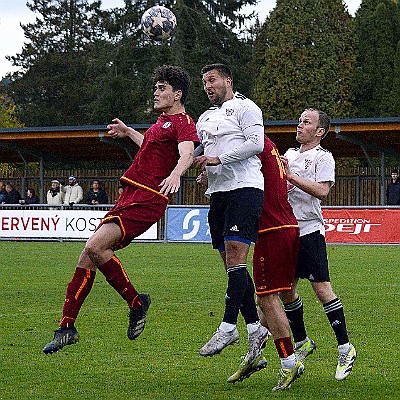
[[363, 189]]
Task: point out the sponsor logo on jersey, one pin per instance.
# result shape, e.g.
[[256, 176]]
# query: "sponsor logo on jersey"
[[167, 125], [234, 228]]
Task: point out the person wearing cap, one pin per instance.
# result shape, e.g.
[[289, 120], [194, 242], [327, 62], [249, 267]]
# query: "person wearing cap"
[[73, 192], [55, 195]]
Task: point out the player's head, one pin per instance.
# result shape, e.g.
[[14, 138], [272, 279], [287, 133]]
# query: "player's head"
[[176, 77], [217, 83], [324, 121], [312, 127]]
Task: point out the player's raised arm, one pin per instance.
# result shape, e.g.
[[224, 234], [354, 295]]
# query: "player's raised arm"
[[119, 130]]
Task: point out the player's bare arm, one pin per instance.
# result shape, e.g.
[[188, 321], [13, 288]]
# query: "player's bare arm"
[[119, 130], [320, 190], [172, 183], [203, 161]]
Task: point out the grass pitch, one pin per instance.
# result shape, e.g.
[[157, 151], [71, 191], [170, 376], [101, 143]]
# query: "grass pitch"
[[187, 285]]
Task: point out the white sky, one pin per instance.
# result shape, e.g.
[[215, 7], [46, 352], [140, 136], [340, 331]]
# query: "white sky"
[[14, 12]]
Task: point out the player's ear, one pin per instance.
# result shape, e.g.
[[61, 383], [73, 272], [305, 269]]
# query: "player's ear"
[[177, 95], [321, 132]]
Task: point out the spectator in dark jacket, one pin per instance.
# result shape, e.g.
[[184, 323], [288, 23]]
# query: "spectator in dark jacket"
[[393, 190], [30, 197], [2, 193], [97, 194], [12, 195]]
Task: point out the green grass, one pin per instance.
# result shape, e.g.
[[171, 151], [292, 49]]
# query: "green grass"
[[187, 285]]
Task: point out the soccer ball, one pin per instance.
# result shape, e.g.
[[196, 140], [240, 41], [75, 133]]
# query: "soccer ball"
[[158, 23]]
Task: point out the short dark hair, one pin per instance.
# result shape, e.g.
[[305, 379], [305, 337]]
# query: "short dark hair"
[[223, 69], [323, 120], [176, 77]]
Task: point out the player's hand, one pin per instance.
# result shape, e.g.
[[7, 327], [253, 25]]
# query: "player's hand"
[[170, 185], [203, 161], [285, 164], [118, 129], [202, 179]]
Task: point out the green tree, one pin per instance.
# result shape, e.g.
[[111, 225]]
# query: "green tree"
[[7, 113], [52, 87], [84, 65], [305, 58], [212, 32], [377, 68]]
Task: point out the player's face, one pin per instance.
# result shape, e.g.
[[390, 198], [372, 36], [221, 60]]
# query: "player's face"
[[308, 130], [165, 97], [217, 87]]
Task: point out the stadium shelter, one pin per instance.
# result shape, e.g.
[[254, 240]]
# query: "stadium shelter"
[[377, 137]]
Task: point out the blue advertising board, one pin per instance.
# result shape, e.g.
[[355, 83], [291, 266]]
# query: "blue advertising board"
[[187, 224]]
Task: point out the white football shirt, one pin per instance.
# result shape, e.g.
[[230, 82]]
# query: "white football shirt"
[[317, 165], [233, 132]]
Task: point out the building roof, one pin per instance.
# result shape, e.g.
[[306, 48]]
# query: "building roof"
[[347, 138]]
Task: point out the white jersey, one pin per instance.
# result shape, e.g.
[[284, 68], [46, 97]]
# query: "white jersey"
[[233, 132], [316, 165]]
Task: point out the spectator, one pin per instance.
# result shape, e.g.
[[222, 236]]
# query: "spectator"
[[30, 197], [12, 194], [56, 193], [97, 195], [393, 190], [73, 192], [2, 193]]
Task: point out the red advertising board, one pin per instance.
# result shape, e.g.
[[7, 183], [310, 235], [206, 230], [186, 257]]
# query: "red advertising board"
[[362, 225]]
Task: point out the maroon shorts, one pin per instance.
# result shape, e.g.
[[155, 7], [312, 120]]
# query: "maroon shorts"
[[274, 260], [136, 211]]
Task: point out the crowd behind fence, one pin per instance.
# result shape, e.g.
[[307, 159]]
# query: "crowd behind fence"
[[353, 187]]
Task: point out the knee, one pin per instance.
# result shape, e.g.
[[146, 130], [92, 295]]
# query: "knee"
[[288, 296], [324, 292], [91, 251]]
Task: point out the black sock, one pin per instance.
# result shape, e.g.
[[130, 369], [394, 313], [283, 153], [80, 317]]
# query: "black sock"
[[334, 312], [249, 308], [237, 283], [294, 313]]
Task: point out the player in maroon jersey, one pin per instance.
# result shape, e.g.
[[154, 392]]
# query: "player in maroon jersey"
[[274, 264], [166, 152]]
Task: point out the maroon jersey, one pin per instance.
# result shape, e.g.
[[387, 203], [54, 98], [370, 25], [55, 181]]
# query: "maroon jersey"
[[158, 154], [277, 212]]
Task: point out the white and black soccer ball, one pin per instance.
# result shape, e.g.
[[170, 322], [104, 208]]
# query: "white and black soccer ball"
[[158, 23]]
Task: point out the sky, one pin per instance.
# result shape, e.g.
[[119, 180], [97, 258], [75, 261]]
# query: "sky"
[[14, 12]]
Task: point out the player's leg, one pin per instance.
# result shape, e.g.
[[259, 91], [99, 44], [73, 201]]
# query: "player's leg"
[[77, 290], [226, 333], [100, 250], [334, 311], [278, 324], [308, 265]]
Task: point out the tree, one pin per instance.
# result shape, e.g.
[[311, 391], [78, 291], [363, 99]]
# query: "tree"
[[377, 68], [305, 58], [84, 65], [52, 87], [210, 32], [7, 113]]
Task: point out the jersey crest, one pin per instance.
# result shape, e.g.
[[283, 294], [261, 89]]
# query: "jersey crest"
[[307, 163], [229, 112]]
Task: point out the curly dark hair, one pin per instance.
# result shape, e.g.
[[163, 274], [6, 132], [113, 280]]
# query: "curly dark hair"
[[176, 77]]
